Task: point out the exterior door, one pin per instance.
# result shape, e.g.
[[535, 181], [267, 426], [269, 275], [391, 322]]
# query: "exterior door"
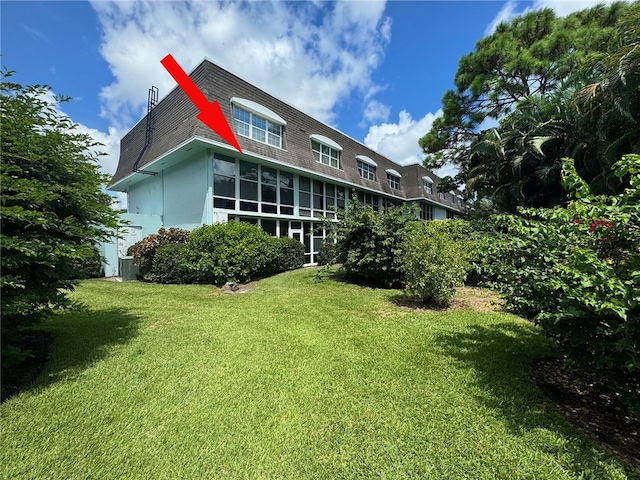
[[128, 236], [296, 233]]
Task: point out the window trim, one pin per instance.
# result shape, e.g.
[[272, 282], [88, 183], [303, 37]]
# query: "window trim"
[[331, 145], [258, 110], [393, 177], [428, 181], [269, 124]]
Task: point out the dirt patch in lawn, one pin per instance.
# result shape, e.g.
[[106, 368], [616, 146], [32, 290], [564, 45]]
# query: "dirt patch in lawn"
[[465, 298], [238, 287]]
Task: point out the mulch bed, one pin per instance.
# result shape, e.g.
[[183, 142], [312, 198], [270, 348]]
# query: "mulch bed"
[[18, 377], [590, 405]]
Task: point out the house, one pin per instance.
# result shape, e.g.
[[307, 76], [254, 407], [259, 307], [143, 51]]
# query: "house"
[[177, 172]]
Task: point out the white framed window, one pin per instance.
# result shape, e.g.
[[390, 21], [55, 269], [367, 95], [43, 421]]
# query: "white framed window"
[[325, 150], [366, 167], [366, 171], [428, 184], [441, 195], [250, 125], [393, 178]]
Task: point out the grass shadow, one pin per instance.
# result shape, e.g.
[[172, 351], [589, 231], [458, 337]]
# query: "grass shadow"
[[501, 357], [80, 339]]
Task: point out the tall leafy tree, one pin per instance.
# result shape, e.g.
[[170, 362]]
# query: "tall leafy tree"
[[52, 207], [523, 62]]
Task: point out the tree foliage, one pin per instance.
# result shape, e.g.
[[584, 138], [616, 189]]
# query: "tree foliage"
[[435, 259], [369, 244], [526, 75], [575, 270], [52, 207]]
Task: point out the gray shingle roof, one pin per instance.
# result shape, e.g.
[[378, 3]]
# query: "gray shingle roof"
[[174, 122]]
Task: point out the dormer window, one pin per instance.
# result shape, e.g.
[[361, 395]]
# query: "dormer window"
[[255, 121], [428, 184], [393, 178], [366, 167], [325, 150]]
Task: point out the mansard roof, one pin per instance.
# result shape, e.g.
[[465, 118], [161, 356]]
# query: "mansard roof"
[[174, 123]]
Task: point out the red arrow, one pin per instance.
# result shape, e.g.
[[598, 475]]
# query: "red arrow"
[[210, 113]]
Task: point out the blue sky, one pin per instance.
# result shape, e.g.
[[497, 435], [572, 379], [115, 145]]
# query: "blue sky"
[[374, 70]]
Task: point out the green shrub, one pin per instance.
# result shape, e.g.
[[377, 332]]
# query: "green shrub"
[[369, 243], [435, 259], [328, 254], [576, 272], [291, 254], [144, 251], [91, 265], [169, 264], [230, 252]]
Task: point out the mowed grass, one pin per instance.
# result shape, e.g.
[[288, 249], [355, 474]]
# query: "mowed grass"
[[293, 380]]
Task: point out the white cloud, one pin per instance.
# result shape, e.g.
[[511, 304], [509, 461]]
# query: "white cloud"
[[399, 141], [312, 55], [505, 14], [376, 111], [562, 8]]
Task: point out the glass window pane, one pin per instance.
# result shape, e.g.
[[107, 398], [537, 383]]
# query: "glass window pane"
[[305, 200], [330, 189], [274, 128], [242, 128], [266, 208], [305, 184], [258, 134], [248, 190], [269, 176], [317, 241], [286, 196], [286, 179], [316, 156], [284, 228], [224, 203], [240, 114], [224, 186], [248, 170], [315, 145], [269, 226], [249, 206], [286, 210], [268, 193], [224, 166], [318, 187], [258, 122], [273, 140], [305, 212]]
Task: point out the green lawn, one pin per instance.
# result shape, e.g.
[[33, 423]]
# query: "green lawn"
[[293, 380]]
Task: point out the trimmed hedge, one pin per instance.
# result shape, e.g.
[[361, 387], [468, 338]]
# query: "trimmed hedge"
[[328, 254], [230, 252], [291, 254], [169, 264]]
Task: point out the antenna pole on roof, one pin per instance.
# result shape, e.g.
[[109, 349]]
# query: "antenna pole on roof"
[[152, 101]]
